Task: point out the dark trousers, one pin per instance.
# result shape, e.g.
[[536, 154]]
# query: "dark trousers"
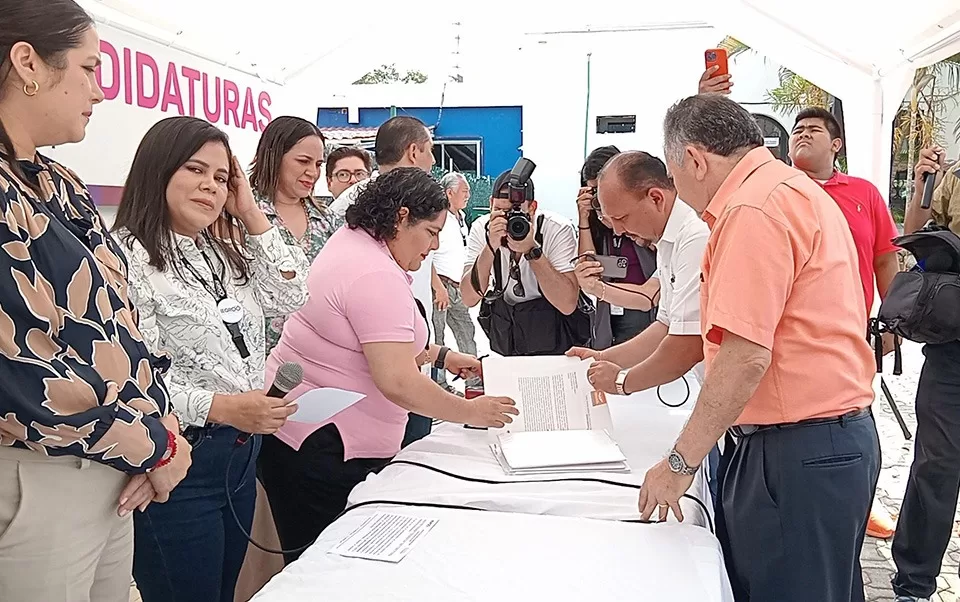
[[190, 549], [793, 510], [929, 504], [307, 489], [418, 427], [630, 324]]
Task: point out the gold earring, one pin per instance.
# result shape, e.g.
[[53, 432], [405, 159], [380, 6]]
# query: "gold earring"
[[28, 91]]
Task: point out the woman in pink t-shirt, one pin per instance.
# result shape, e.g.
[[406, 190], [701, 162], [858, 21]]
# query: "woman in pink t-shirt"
[[361, 330]]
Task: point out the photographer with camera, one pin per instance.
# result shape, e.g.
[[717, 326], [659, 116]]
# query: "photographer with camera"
[[524, 257]]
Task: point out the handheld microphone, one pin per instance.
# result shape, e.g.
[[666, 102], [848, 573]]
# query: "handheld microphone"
[[288, 377], [929, 179]]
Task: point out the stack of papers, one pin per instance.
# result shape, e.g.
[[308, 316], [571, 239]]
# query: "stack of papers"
[[543, 452]]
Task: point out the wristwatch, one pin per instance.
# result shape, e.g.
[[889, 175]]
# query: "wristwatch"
[[621, 380], [678, 465], [441, 358], [533, 254]]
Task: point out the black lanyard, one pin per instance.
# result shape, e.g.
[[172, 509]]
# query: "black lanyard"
[[219, 293]]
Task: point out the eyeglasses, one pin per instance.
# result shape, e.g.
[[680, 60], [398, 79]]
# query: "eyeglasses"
[[344, 175]]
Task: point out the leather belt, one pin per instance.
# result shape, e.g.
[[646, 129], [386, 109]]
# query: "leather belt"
[[450, 281], [745, 430]]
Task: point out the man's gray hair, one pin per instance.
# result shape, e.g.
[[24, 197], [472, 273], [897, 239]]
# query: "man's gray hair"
[[711, 121], [452, 180]]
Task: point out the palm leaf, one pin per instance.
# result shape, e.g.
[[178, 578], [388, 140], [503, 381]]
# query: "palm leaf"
[[733, 46]]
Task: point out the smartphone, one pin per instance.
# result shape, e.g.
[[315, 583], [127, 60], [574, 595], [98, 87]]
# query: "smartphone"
[[614, 266], [716, 56]]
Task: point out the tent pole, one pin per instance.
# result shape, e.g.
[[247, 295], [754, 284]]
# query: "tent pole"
[[586, 117]]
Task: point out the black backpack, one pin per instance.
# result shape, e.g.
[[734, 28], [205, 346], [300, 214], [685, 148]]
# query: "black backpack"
[[923, 305]]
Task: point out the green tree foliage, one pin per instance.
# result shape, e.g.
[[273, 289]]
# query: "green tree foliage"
[[388, 74]]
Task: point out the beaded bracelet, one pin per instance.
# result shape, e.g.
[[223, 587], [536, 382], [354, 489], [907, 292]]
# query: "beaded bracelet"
[[170, 453]]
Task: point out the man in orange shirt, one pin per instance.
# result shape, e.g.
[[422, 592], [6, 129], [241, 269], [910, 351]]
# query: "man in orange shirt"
[[788, 369]]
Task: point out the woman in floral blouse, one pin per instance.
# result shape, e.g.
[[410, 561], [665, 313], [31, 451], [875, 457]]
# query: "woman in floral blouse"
[[283, 174]]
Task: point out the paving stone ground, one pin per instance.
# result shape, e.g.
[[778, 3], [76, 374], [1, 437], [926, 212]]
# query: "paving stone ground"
[[877, 562]]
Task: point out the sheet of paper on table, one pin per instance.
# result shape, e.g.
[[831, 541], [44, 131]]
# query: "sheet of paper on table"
[[552, 393], [385, 537], [319, 405]]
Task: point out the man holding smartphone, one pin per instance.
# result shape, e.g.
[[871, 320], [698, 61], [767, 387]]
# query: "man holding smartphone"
[[638, 200], [617, 271]]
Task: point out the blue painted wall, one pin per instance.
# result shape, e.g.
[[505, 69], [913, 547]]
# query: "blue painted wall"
[[499, 128]]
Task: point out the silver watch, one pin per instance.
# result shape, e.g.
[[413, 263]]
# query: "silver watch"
[[678, 465], [621, 380]]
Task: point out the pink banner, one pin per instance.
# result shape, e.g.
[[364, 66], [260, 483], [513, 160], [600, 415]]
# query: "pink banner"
[[179, 89]]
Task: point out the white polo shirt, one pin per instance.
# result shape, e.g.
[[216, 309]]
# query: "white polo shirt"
[[450, 255], [679, 253], [559, 248]]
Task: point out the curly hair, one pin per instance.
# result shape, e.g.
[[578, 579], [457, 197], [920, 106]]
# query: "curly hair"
[[377, 208]]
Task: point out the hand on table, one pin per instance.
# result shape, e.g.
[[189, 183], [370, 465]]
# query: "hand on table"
[[494, 412], [661, 490]]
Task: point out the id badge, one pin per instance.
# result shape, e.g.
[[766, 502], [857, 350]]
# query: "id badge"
[[616, 310], [231, 312]]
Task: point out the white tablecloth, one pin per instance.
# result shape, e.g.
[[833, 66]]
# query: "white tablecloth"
[[500, 557], [644, 428]]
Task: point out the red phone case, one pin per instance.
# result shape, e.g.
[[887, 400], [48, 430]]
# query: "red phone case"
[[716, 56]]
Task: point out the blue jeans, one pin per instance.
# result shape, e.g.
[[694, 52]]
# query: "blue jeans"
[[190, 549]]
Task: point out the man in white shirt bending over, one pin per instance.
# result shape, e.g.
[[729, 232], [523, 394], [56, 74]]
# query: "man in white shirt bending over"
[[448, 260], [638, 198]]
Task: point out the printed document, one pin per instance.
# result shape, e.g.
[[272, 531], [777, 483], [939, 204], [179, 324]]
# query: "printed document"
[[552, 393], [383, 536]]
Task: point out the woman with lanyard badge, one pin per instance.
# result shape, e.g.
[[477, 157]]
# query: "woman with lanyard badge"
[[205, 268]]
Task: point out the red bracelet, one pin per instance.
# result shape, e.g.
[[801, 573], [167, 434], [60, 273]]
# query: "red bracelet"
[[171, 450]]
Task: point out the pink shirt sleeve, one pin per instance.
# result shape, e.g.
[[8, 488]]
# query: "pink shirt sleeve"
[[381, 309], [751, 276], [884, 227]]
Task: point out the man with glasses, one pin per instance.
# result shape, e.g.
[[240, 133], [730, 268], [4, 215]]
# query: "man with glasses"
[[346, 166], [530, 270]]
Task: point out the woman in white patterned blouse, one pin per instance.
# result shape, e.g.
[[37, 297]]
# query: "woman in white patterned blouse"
[[206, 267]]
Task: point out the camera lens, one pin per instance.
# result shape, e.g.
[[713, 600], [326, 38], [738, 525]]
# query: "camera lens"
[[518, 225]]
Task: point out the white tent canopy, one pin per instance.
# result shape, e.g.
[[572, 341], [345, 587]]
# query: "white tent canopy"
[[859, 51]]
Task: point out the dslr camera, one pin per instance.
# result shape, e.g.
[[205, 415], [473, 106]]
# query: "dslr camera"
[[518, 222]]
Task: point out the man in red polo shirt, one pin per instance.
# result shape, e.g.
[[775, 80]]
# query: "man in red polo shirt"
[[814, 143]]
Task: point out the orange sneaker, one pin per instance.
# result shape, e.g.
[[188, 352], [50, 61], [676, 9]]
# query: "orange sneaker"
[[881, 524]]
